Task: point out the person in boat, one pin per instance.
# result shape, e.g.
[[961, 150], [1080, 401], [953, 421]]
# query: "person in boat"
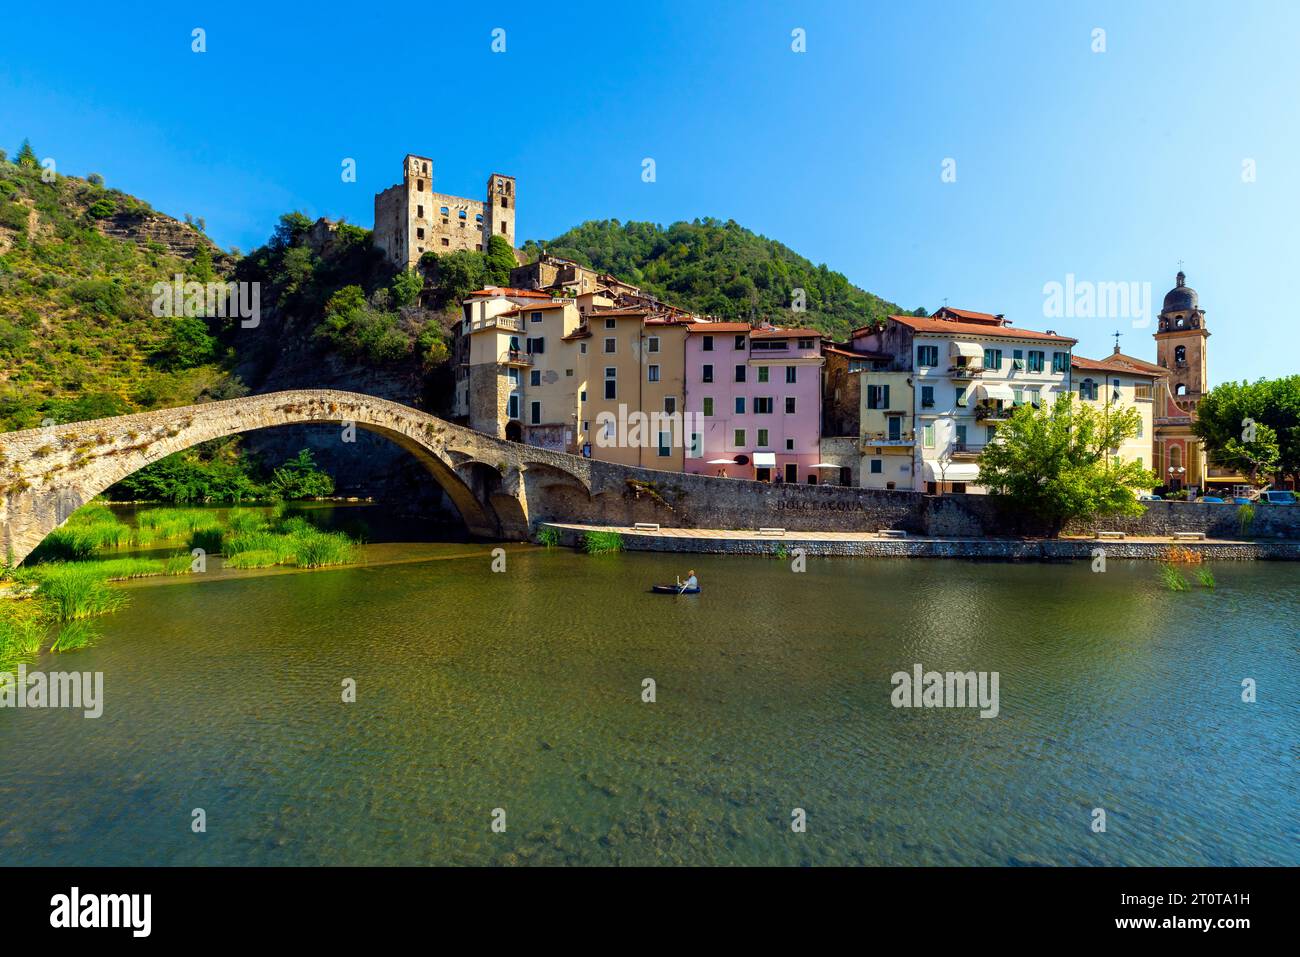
[[691, 584]]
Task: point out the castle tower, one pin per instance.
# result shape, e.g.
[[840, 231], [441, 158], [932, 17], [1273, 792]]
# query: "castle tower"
[[500, 209], [1181, 349]]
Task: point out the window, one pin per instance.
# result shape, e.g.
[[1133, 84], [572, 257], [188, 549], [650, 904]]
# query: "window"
[[513, 372], [877, 397], [444, 210], [419, 212], [792, 471], [478, 217], [610, 344], [1036, 357], [419, 232], [419, 186], [503, 227], [446, 241], [927, 435], [707, 345], [537, 346], [740, 373], [740, 405], [762, 438], [927, 355], [738, 438], [652, 344], [670, 404], [805, 343], [534, 317], [706, 373], [582, 348], [1141, 391], [791, 374], [961, 436], [895, 430], [697, 445], [1032, 397], [877, 466], [582, 396], [535, 377], [505, 203], [461, 215], [652, 373], [1180, 355], [789, 445], [1060, 361], [762, 373], [927, 397], [611, 382], [740, 342], [665, 444], [1017, 396], [763, 405], [993, 359], [707, 405], [1088, 390], [536, 414], [609, 323], [961, 396], [1018, 359], [512, 406], [789, 405]]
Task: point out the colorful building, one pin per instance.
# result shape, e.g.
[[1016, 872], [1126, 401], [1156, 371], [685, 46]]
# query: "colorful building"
[[1121, 382], [755, 393]]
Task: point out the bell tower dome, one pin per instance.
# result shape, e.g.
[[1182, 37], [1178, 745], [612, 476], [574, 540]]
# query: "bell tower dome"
[[1181, 343]]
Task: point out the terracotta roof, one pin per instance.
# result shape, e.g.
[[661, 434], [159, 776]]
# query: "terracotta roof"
[[615, 313], [509, 293], [970, 315], [949, 327], [536, 307], [712, 327], [582, 332], [840, 351], [1120, 360], [786, 334], [1093, 365]]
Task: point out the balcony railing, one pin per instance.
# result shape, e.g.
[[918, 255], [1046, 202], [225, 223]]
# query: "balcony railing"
[[964, 372], [507, 323], [883, 438], [983, 412], [516, 357], [967, 450]]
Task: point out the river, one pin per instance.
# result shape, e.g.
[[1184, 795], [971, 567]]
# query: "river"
[[522, 691]]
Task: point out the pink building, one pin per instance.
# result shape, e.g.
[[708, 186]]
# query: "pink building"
[[755, 395]]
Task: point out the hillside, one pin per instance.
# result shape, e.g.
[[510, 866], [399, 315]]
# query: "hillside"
[[78, 338], [720, 269]]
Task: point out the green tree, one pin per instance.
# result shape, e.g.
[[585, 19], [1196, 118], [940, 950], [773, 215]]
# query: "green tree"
[[27, 156], [407, 287], [1253, 427], [500, 260], [188, 344], [300, 478], [202, 266], [1056, 465]]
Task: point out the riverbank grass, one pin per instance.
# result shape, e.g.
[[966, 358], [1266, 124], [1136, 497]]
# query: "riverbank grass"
[[602, 543]]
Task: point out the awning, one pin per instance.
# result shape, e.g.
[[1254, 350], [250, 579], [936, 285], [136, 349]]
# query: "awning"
[[765, 460], [992, 390], [955, 472], [971, 350]]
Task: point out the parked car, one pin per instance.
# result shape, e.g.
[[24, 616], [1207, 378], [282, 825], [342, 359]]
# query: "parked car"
[[1277, 497], [1148, 497], [1212, 499]]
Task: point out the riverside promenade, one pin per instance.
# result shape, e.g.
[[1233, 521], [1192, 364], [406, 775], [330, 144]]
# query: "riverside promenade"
[[886, 545]]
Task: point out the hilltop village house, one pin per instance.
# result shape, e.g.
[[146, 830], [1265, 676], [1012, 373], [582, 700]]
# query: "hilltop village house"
[[567, 357]]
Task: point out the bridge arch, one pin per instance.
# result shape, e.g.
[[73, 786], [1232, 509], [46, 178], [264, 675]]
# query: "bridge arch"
[[46, 474]]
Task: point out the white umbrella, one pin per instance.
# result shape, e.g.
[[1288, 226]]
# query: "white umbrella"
[[825, 465], [722, 462]]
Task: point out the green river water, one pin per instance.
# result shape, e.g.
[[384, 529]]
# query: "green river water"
[[523, 691]]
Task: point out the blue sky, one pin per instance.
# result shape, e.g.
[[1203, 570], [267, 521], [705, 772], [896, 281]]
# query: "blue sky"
[[1109, 166]]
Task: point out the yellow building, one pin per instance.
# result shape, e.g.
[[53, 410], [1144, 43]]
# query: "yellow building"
[[888, 438], [1121, 382]]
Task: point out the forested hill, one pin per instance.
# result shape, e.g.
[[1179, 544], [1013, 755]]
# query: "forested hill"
[[720, 269]]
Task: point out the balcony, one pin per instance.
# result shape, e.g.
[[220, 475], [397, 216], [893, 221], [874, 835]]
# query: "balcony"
[[883, 440], [988, 413], [515, 357], [964, 372], [966, 451], [504, 323]]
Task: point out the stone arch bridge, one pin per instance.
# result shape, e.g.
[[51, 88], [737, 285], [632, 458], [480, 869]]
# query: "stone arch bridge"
[[501, 489]]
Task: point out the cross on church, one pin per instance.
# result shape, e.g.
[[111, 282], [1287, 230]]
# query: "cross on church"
[[1117, 334]]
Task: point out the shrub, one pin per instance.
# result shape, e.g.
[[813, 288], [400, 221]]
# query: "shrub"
[[550, 537], [602, 543], [1245, 518]]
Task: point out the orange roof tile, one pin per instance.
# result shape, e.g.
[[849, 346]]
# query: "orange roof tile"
[[1093, 365], [724, 327], [952, 327], [509, 293]]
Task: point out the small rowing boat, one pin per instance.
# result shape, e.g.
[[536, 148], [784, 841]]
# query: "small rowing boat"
[[674, 590]]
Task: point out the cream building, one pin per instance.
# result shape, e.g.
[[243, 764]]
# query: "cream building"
[[1121, 382]]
